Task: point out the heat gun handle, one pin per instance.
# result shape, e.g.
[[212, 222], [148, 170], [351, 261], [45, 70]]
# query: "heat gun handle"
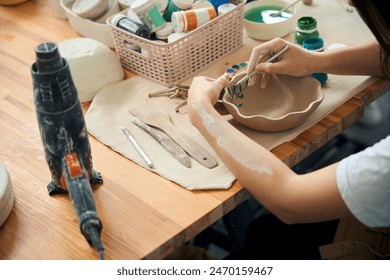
[[80, 192]]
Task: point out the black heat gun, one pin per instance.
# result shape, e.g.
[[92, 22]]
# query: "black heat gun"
[[65, 138]]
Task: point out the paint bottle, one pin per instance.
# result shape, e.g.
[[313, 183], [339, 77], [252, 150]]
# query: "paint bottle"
[[225, 8], [191, 19], [306, 28], [217, 3], [175, 6], [316, 44], [164, 32], [130, 25], [199, 4], [149, 14], [161, 5]]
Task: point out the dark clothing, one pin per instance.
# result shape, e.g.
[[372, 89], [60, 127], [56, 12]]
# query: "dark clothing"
[[269, 238]]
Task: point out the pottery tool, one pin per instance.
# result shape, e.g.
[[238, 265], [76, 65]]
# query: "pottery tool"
[[167, 142], [137, 147], [65, 138], [238, 86], [276, 14], [154, 116]]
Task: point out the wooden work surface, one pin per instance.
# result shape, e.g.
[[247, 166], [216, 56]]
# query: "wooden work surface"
[[145, 216]]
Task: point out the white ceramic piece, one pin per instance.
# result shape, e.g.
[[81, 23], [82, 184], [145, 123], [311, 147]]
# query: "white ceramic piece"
[[125, 4], [113, 8], [92, 64], [90, 9], [6, 194], [285, 103], [275, 27], [99, 29]]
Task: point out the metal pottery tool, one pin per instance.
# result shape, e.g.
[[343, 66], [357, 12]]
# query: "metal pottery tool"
[[65, 138], [157, 117], [137, 147], [238, 86], [167, 142], [276, 14]]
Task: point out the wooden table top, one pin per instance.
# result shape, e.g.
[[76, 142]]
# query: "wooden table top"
[[145, 216]]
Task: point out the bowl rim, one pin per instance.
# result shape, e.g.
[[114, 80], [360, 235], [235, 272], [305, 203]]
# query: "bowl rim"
[[257, 3], [320, 98]]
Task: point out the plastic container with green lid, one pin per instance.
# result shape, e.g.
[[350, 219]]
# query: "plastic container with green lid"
[[149, 14]]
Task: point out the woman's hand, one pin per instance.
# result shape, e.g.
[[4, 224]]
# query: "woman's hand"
[[295, 62], [206, 90]]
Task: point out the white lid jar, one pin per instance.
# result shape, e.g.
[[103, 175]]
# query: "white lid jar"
[[192, 19], [165, 31], [149, 14], [175, 6], [201, 4], [161, 5]]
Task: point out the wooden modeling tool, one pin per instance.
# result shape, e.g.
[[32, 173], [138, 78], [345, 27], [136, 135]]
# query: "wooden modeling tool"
[[167, 142], [154, 116]]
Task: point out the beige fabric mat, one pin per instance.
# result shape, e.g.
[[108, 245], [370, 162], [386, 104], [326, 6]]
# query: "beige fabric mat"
[[109, 111]]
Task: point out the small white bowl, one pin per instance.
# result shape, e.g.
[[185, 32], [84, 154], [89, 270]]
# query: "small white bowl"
[[98, 29], [91, 9], [272, 29], [92, 64], [285, 103]]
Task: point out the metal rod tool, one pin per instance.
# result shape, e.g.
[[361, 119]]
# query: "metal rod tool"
[[246, 78]]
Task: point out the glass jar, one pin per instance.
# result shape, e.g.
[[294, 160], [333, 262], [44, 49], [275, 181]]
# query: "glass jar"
[[149, 14], [130, 25], [192, 19], [175, 6], [306, 28]]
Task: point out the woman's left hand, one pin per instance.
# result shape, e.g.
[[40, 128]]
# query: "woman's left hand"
[[206, 90]]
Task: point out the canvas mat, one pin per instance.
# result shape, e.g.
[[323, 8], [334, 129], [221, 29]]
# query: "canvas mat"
[[109, 111]]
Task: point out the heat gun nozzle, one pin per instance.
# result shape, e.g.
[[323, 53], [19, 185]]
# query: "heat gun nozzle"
[[94, 238], [48, 57]]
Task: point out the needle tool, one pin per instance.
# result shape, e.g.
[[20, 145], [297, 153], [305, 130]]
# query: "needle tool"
[[137, 147]]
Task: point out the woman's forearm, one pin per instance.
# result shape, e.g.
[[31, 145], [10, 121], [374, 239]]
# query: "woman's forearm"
[[354, 60], [293, 198]]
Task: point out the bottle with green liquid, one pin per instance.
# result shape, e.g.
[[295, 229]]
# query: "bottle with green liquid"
[[306, 28]]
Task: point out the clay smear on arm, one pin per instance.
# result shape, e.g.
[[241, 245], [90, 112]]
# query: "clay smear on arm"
[[228, 144]]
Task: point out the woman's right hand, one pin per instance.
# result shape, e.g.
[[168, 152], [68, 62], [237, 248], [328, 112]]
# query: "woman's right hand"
[[294, 62]]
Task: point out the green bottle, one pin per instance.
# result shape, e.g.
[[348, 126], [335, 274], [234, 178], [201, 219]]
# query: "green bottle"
[[306, 28]]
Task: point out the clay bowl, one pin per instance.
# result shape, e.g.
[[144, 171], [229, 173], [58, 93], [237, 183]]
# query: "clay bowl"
[[97, 29], [268, 27], [92, 64], [285, 103]]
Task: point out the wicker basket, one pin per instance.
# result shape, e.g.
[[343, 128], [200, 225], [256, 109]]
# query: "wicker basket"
[[172, 63]]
